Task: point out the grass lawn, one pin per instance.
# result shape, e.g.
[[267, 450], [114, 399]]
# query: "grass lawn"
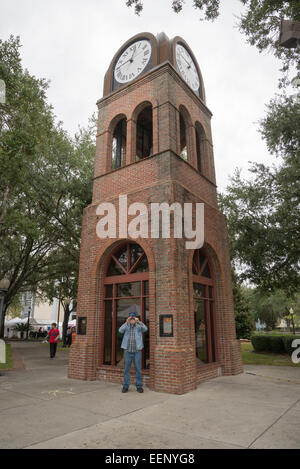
[[250, 357], [9, 362]]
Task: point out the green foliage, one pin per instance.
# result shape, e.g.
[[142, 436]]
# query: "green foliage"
[[269, 308], [287, 342], [273, 343], [244, 322], [23, 327], [45, 182], [263, 213], [250, 357]]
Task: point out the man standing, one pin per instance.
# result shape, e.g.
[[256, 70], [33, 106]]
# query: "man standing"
[[132, 344], [53, 335]]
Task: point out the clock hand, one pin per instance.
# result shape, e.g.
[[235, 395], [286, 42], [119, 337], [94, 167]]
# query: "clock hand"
[[189, 64], [130, 60], [121, 65]]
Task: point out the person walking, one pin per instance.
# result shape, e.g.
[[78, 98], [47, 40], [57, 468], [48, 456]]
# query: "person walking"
[[53, 335], [132, 344]]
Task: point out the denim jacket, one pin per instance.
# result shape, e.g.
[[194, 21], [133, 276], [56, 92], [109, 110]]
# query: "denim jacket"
[[139, 328]]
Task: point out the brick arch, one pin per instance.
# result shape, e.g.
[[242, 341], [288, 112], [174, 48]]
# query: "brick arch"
[[132, 127], [101, 264], [102, 259], [114, 121], [217, 274], [100, 267]]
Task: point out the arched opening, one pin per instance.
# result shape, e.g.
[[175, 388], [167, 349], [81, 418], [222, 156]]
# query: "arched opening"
[[204, 309], [118, 153], [144, 133], [183, 137], [126, 289], [200, 139]]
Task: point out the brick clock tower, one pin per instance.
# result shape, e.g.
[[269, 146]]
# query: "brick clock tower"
[[154, 146]]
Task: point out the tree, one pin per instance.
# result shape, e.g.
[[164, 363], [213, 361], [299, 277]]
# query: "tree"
[[45, 181], [268, 308], [263, 213], [244, 321], [260, 22]]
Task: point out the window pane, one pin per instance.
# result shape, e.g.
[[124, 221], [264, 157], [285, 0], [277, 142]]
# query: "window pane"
[[114, 269], [210, 292], [129, 289], [124, 307], [146, 288], [200, 331], [122, 257], [143, 265], [108, 291], [136, 252], [107, 332], [206, 272], [199, 290]]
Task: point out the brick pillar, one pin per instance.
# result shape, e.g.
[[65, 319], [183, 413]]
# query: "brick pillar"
[[131, 142]]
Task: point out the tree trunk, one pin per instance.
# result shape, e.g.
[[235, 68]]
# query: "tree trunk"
[[65, 324], [4, 308]]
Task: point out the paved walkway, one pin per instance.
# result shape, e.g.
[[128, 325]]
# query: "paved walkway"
[[41, 408]]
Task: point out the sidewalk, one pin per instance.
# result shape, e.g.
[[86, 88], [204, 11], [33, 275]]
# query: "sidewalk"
[[41, 408]]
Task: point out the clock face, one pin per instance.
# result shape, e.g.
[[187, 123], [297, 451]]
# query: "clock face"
[[132, 61], [187, 67]]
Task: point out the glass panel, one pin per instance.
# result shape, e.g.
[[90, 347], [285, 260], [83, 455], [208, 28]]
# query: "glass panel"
[[122, 257], [136, 252], [206, 272], [146, 363], [200, 331], [210, 290], [146, 288], [143, 265], [108, 291], [199, 290], [107, 332], [129, 289], [201, 257], [114, 269], [124, 307]]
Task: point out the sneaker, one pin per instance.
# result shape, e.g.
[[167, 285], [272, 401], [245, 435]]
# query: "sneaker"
[[124, 389], [140, 390]]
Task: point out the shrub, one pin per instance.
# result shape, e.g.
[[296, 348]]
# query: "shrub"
[[287, 342], [277, 344], [261, 342], [270, 343]]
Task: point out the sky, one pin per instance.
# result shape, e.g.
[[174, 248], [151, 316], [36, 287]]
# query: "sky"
[[72, 42]]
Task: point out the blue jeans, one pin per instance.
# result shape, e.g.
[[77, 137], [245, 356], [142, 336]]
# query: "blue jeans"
[[136, 358]]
